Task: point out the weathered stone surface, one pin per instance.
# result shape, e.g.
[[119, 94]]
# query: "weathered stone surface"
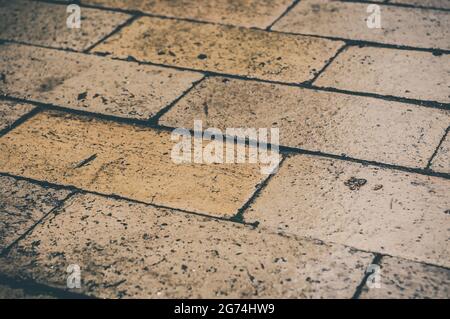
[[22, 205], [409, 74], [369, 208], [402, 279], [90, 83], [45, 24], [246, 13], [348, 20], [222, 49], [128, 250], [359, 127], [441, 163], [11, 112], [131, 161]]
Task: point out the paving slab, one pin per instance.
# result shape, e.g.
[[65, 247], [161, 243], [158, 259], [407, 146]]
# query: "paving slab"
[[127, 250], [443, 4], [130, 161], [22, 205], [223, 49], [11, 112], [441, 162], [370, 208], [404, 279], [398, 25], [90, 83], [45, 24], [245, 13], [400, 73], [359, 127]]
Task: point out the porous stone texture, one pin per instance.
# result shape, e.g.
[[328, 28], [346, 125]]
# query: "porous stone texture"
[[10, 112], [127, 250], [404, 279], [370, 208], [246, 13], [90, 83], [131, 161], [441, 162], [223, 49], [408, 74], [45, 24], [341, 124], [22, 205], [348, 20]]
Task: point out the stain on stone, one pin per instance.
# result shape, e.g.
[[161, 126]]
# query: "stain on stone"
[[354, 183], [377, 187], [49, 84], [3, 77], [82, 96]]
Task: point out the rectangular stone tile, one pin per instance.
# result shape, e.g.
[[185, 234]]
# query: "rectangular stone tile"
[[441, 163], [246, 13], [223, 49], [408, 74], [23, 204], [131, 161], [399, 25], [369, 208], [127, 250], [356, 126], [404, 279], [11, 112], [90, 83], [46, 24], [443, 4]]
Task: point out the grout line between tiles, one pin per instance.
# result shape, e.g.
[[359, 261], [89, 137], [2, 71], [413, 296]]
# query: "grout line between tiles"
[[142, 14], [430, 162], [282, 149], [376, 261], [288, 9], [60, 205]]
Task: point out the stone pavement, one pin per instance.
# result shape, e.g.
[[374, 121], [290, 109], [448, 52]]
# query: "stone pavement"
[[360, 204]]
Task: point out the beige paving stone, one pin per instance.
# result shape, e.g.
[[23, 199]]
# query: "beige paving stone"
[[246, 13], [359, 127], [131, 161], [441, 163], [46, 24], [369, 208], [89, 82], [409, 74], [23, 204], [399, 25], [444, 4], [223, 49], [11, 112], [404, 279], [131, 250], [7, 292]]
